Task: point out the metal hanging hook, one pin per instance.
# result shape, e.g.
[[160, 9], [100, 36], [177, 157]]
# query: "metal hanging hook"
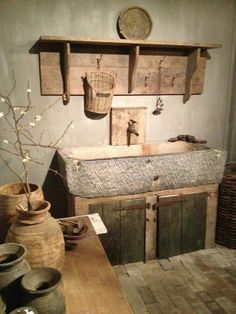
[[98, 62]]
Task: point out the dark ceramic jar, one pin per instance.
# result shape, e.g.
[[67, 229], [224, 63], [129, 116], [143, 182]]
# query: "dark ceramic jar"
[[40, 291], [12, 267], [24, 310], [2, 306]]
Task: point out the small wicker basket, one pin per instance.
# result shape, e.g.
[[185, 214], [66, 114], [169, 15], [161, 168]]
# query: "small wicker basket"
[[99, 91]]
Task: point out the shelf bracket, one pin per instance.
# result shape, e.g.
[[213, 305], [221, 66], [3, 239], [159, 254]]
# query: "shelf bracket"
[[133, 63], [192, 64], [66, 73]]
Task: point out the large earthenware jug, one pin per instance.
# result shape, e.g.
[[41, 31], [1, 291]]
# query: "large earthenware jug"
[[41, 291], [12, 267], [10, 196], [41, 235]]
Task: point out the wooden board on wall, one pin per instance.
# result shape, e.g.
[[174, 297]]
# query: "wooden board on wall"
[[119, 124], [149, 80]]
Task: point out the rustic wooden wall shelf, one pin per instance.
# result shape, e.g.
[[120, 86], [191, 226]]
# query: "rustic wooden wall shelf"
[[140, 67]]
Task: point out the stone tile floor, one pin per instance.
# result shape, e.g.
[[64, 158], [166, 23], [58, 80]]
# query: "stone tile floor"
[[198, 282]]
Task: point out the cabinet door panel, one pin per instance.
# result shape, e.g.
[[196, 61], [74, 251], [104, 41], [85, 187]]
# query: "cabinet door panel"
[[111, 219], [181, 225], [169, 228], [132, 231], [194, 222]]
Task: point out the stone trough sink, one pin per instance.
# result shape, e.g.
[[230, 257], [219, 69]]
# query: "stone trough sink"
[[119, 170]]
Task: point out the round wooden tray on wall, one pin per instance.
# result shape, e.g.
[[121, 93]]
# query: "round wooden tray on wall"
[[134, 23]]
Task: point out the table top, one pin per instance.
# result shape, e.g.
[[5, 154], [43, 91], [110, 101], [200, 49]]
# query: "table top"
[[89, 282]]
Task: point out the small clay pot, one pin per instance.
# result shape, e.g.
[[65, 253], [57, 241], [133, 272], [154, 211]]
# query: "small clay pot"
[[10, 196], [40, 287], [12, 267]]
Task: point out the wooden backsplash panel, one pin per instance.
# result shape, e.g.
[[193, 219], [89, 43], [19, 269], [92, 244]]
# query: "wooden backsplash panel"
[[119, 124], [149, 80]]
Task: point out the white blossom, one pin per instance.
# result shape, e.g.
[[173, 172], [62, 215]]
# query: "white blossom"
[[2, 99], [38, 117], [5, 141], [1, 114], [28, 90], [72, 126], [32, 124], [23, 112], [24, 160], [16, 108], [27, 156]]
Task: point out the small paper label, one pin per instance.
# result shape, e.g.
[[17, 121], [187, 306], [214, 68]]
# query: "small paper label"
[[97, 223]]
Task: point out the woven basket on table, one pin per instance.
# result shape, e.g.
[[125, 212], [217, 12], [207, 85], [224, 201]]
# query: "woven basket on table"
[[99, 91]]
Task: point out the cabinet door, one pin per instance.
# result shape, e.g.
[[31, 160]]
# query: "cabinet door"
[[132, 233], [194, 222], [181, 225], [125, 222], [169, 228]]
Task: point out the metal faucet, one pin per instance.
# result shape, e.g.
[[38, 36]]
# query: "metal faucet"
[[131, 130]]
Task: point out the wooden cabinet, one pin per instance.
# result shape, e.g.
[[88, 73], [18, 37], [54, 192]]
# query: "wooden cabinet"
[[181, 224], [125, 222], [141, 228]]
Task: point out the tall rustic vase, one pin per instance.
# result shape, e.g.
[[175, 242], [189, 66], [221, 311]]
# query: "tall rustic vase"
[[41, 235], [41, 291], [12, 267], [10, 196]]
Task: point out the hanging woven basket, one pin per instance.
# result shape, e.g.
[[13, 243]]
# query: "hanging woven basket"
[[99, 91]]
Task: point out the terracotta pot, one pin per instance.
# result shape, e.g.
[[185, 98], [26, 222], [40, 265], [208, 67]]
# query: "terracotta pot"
[[41, 235], [10, 196], [40, 286], [12, 267]]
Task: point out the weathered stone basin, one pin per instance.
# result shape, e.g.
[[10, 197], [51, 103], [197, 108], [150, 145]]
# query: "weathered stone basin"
[[120, 170]]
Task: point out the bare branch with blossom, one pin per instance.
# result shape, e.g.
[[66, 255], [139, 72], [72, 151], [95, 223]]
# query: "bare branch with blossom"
[[20, 127]]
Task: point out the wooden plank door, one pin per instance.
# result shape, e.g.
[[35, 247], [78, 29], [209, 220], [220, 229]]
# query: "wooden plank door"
[[181, 225], [132, 231], [111, 218], [169, 228], [194, 222], [124, 241]]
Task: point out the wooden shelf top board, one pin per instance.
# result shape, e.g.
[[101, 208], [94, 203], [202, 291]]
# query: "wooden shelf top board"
[[125, 42]]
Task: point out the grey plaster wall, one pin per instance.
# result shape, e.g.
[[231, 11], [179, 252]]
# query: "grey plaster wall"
[[205, 116]]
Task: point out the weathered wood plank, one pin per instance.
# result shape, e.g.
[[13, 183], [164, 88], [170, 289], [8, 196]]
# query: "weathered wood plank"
[[194, 223], [125, 42], [169, 228], [111, 240], [120, 117], [132, 231], [151, 230], [89, 282], [146, 72]]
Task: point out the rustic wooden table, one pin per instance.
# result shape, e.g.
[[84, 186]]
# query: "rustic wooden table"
[[89, 282]]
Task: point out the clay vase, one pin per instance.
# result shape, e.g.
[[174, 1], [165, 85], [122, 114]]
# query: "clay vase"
[[10, 196], [40, 287], [12, 267], [41, 235]]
